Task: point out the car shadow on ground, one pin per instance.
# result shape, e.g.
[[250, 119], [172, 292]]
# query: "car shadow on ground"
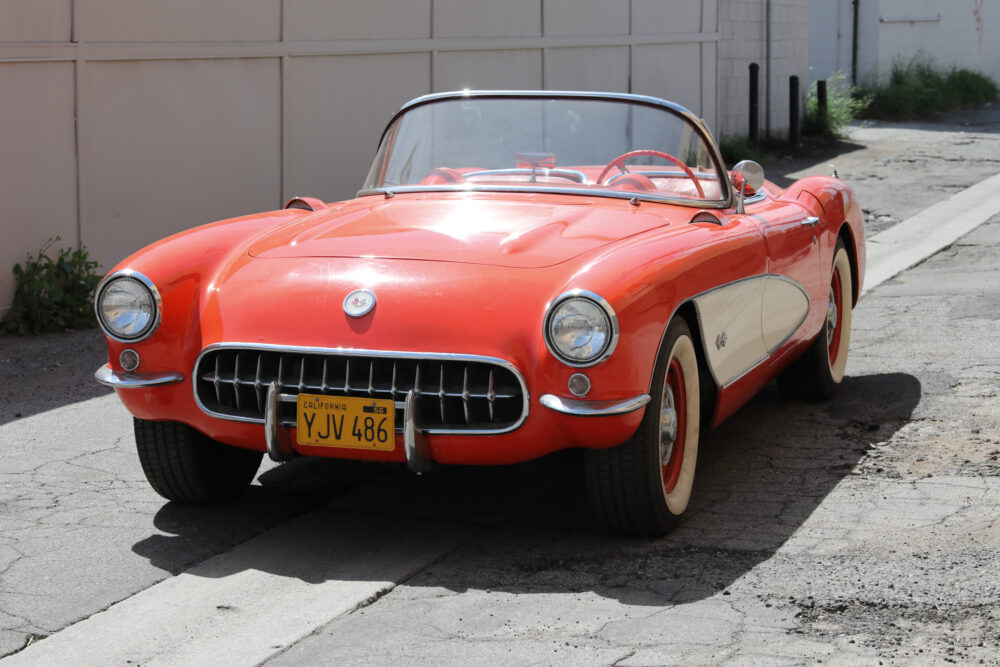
[[760, 477], [778, 168], [47, 371]]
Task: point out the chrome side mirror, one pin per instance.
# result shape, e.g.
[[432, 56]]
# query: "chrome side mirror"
[[746, 174]]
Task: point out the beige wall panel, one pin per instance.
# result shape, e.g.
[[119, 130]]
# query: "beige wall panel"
[[667, 16], [670, 71], [336, 111], [518, 69], [173, 144], [35, 20], [586, 17], [587, 68], [372, 19], [37, 171], [179, 20], [512, 18]]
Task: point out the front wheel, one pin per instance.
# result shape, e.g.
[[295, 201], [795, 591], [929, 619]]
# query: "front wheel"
[[642, 486], [186, 466], [817, 374]]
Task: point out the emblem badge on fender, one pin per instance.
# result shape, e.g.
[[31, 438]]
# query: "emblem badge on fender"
[[359, 302], [720, 340]]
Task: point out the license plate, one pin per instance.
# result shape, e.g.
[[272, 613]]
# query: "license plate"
[[354, 423]]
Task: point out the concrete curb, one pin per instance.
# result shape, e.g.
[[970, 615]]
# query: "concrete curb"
[[917, 238]]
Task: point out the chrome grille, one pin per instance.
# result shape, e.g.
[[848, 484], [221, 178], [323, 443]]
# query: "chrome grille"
[[454, 393]]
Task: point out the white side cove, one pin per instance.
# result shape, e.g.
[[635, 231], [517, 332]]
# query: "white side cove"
[[745, 321]]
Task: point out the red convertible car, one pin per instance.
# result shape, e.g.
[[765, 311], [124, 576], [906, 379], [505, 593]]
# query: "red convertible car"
[[522, 272]]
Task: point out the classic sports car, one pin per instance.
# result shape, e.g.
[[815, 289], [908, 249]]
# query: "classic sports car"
[[522, 272]]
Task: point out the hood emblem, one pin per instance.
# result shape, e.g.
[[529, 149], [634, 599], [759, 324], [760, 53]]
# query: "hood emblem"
[[359, 302]]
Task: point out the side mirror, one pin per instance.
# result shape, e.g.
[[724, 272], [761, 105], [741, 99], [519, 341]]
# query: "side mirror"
[[746, 175]]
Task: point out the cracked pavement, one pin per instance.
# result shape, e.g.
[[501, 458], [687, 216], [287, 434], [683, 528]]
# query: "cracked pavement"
[[861, 530]]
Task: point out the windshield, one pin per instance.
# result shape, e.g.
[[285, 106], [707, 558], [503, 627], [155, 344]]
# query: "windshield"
[[593, 146]]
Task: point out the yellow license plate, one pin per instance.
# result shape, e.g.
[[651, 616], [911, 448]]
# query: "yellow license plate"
[[354, 423]]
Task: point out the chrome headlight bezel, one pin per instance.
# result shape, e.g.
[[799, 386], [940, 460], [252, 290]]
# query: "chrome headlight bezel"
[[154, 297], [612, 326]]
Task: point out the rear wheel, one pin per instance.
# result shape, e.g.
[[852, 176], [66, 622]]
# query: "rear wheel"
[[183, 465], [817, 374], [642, 486]]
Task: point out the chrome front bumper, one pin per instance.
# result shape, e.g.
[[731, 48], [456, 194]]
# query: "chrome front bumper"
[[123, 380], [576, 408]]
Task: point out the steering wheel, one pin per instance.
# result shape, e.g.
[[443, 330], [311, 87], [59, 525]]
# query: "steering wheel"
[[619, 162]]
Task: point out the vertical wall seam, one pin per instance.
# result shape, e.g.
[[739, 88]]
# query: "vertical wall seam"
[[78, 73], [282, 107]]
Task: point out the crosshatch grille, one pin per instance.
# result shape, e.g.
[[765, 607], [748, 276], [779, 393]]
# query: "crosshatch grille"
[[450, 394]]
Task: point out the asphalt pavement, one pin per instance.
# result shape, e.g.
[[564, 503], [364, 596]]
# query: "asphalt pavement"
[[861, 530]]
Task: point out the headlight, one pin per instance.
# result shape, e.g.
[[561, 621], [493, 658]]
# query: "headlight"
[[581, 328], [128, 306]]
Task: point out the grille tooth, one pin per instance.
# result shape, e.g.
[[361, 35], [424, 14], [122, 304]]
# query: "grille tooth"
[[236, 380], [465, 395], [451, 395], [258, 385]]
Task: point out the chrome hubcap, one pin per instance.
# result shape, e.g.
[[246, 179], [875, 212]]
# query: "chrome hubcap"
[[668, 425], [831, 317]]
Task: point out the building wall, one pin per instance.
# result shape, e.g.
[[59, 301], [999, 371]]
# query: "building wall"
[[963, 33], [124, 121], [742, 26]]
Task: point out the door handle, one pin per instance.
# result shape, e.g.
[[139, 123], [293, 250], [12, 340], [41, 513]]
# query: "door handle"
[[810, 222]]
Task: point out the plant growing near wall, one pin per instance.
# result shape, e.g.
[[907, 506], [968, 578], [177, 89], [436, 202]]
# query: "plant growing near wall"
[[843, 105], [918, 89], [53, 294]]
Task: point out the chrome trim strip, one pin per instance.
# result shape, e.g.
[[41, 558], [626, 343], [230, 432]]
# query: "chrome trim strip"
[[157, 301], [418, 452], [383, 354], [705, 341], [586, 192], [576, 408], [123, 380], [696, 123], [609, 311]]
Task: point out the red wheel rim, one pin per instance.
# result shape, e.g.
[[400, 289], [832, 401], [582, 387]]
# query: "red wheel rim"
[[836, 296], [675, 384]]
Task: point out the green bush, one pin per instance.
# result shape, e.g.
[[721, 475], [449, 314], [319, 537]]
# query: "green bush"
[[842, 106], [53, 294], [918, 90], [736, 147]]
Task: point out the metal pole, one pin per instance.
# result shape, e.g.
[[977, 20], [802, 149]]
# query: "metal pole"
[[794, 129], [821, 102], [854, 47], [754, 105], [767, 72]]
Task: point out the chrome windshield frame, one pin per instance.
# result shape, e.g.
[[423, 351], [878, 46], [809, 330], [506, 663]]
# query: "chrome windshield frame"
[[700, 128]]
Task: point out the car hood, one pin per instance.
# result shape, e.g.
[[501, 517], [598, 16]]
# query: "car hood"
[[523, 231]]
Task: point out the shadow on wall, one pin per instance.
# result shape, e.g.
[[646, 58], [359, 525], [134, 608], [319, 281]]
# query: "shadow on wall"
[[761, 476]]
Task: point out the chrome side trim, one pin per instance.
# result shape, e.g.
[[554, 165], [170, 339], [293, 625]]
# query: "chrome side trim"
[[418, 452], [765, 352], [576, 408], [609, 311], [157, 301], [385, 354], [123, 380]]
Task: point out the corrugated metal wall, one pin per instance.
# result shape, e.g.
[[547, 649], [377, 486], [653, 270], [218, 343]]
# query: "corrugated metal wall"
[[125, 121]]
